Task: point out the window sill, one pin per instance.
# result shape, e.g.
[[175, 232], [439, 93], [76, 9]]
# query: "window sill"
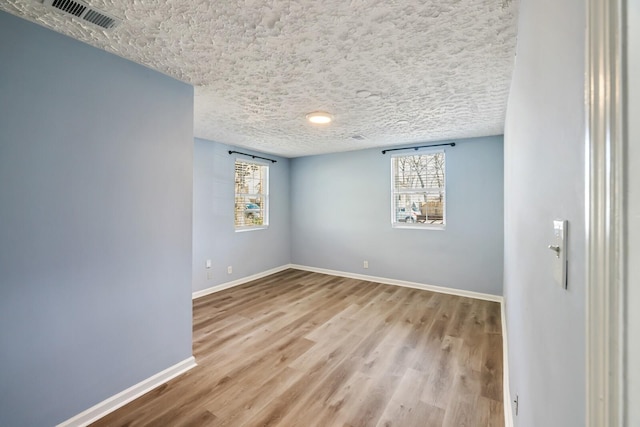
[[435, 227], [242, 230]]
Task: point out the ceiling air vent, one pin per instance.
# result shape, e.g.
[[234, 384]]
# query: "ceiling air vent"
[[84, 12]]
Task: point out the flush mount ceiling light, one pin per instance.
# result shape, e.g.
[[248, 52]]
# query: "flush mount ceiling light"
[[319, 118]]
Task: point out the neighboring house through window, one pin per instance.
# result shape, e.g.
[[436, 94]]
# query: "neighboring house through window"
[[418, 190], [251, 195]]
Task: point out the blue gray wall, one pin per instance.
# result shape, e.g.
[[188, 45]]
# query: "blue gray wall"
[[341, 216], [633, 214], [214, 236], [544, 180], [95, 224]]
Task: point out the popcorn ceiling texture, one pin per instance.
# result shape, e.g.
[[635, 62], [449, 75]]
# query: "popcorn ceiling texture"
[[393, 72]]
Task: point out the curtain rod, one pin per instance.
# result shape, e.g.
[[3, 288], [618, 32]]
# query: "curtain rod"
[[453, 144], [252, 156]]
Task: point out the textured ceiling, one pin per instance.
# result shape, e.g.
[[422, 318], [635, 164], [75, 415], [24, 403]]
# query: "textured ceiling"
[[391, 72]]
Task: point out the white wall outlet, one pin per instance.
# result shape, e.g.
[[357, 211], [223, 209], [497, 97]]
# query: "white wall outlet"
[[365, 264], [229, 270], [207, 264], [209, 275]]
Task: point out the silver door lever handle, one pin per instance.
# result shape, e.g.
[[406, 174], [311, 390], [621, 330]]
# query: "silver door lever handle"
[[556, 249]]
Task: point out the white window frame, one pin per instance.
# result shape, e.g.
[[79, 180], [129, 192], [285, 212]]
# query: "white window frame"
[[420, 226], [264, 195]]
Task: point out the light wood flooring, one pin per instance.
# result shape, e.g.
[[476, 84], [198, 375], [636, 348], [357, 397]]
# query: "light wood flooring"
[[307, 349]]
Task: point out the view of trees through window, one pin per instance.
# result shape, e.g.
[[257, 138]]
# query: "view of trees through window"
[[419, 188], [251, 194]]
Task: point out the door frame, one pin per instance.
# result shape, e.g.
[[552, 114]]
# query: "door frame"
[[605, 221]]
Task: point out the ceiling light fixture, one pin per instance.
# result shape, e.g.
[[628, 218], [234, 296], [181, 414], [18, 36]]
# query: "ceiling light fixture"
[[319, 118]]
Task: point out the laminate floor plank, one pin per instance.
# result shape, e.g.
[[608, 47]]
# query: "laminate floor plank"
[[405, 407], [306, 349]]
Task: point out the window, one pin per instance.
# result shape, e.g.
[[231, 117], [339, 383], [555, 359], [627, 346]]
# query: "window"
[[418, 190], [252, 195]]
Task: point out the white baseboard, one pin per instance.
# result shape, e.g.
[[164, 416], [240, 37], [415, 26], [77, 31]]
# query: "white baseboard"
[[386, 281], [114, 402], [238, 282], [404, 283], [508, 414]]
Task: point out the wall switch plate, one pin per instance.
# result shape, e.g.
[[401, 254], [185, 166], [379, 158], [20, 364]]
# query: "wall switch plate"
[[229, 270], [365, 264], [207, 264], [559, 247]]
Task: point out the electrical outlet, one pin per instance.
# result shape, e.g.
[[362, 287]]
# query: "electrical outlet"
[[365, 264], [229, 270], [516, 404], [209, 275]]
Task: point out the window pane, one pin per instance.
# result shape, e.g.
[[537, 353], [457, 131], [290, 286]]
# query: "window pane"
[[433, 209], [250, 178], [407, 208], [420, 171], [250, 211]]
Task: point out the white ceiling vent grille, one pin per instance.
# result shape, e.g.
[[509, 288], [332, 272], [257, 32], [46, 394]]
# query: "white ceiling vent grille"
[[84, 12]]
